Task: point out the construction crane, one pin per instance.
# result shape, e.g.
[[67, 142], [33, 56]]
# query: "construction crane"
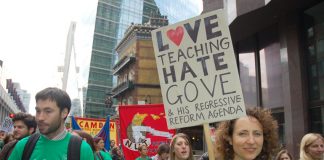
[[69, 50]]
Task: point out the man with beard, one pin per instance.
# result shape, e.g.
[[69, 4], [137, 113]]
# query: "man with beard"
[[24, 125], [52, 107]]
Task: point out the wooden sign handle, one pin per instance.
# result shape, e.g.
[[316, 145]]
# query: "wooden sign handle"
[[210, 146]]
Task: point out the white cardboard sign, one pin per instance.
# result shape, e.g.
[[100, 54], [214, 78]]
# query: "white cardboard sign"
[[7, 125], [198, 71]]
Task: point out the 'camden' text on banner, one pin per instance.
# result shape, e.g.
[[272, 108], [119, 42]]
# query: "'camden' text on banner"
[[198, 72]]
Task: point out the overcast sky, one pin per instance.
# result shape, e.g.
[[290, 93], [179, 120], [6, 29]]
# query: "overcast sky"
[[33, 36]]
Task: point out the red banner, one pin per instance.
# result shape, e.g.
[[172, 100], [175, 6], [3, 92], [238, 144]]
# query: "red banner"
[[143, 124], [94, 125]]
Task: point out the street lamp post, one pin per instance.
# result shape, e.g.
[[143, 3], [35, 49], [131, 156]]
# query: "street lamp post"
[[108, 101]]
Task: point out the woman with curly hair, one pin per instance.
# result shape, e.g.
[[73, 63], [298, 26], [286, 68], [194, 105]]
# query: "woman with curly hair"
[[252, 137], [312, 147]]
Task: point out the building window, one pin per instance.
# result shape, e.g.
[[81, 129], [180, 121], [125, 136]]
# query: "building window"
[[314, 47], [261, 73], [270, 68], [279, 115], [247, 70], [260, 69], [317, 119], [248, 78]]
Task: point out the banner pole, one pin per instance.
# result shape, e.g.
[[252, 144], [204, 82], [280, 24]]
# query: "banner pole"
[[210, 146]]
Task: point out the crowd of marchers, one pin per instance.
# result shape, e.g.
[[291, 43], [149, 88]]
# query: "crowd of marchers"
[[44, 136]]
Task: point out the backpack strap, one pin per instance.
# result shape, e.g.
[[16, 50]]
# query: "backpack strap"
[[30, 145], [7, 149], [99, 155], [74, 148]]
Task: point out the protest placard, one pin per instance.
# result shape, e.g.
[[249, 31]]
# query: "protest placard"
[[198, 71], [7, 125]]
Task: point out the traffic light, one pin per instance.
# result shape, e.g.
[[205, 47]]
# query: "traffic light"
[[11, 115]]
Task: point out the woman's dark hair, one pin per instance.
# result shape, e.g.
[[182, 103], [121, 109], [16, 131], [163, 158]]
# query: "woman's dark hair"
[[87, 137], [97, 139], [163, 148]]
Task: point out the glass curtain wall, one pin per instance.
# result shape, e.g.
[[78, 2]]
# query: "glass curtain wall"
[[112, 19], [260, 72], [314, 48], [100, 79]]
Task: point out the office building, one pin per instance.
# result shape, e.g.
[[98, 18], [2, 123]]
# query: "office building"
[[112, 19], [75, 108], [136, 70], [25, 98], [279, 47]]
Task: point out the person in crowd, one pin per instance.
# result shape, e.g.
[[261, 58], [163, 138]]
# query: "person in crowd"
[[112, 144], [180, 148], [143, 153], [52, 108], [251, 137], [9, 138], [99, 146], [162, 152], [312, 147], [116, 154], [85, 136], [24, 125], [2, 136], [283, 155]]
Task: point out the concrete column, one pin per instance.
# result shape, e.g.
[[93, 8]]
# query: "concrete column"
[[210, 5], [295, 106]]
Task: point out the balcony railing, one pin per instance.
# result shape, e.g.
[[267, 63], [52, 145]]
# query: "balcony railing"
[[122, 88], [122, 63]]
